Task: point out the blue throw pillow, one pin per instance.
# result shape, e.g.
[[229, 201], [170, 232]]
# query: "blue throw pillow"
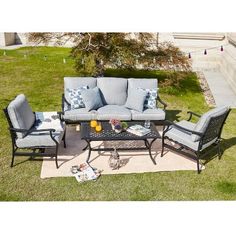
[[92, 99], [76, 100], [135, 100], [150, 100]]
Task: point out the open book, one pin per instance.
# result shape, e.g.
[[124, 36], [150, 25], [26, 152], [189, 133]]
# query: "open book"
[[85, 172], [138, 130]]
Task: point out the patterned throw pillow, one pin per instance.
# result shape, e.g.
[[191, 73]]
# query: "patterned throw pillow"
[[150, 101], [76, 100]]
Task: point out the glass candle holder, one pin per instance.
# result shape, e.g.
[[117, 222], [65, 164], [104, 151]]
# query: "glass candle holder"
[[93, 123], [98, 127]]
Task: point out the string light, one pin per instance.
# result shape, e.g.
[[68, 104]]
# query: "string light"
[[189, 56], [221, 48], [205, 52]]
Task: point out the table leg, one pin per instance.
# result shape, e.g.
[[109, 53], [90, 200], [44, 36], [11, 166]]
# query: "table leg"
[[149, 147], [85, 148], [89, 149]]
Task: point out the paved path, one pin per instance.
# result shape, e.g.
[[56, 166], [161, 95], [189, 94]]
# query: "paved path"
[[221, 90]]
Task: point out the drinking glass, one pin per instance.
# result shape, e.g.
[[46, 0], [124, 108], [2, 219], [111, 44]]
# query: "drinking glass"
[[147, 124]]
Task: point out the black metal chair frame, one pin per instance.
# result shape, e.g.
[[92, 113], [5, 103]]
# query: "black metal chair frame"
[[156, 122], [41, 149], [213, 130]]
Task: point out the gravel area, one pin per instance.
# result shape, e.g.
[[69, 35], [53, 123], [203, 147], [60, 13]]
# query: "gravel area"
[[205, 89]]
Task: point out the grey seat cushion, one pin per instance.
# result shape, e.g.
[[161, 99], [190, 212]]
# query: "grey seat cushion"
[[80, 115], [113, 90], [92, 99], [184, 137], [77, 82], [136, 99], [205, 118], [149, 114], [21, 114], [39, 140], [44, 120], [113, 111]]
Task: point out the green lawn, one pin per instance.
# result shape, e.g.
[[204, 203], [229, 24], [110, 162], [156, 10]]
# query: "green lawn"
[[42, 82]]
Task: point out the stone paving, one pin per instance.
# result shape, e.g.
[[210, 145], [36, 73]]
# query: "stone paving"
[[221, 90]]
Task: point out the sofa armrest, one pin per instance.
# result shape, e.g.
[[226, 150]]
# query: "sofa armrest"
[[162, 102], [63, 102]]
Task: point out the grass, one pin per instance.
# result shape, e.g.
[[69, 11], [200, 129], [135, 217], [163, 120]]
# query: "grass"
[[42, 82]]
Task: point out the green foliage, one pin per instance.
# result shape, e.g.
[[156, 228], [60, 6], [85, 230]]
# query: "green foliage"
[[118, 50], [168, 79], [85, 69]]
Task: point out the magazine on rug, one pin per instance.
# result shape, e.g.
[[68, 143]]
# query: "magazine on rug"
[[85, 172], [138, 130]]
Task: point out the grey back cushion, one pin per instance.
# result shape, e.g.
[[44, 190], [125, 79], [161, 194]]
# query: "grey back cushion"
[[143, 83], [135, 100], [113, 90], [77, 82], [203, 122], [21, 114], [92, 99]]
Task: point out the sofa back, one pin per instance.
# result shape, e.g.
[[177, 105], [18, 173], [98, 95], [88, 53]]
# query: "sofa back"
[[142, 83], [113, 90], [77, 82]]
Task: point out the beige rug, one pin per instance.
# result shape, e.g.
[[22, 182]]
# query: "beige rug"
[[131, 161]]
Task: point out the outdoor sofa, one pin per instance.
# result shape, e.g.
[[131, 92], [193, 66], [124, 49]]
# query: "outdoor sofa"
[[115, 93]]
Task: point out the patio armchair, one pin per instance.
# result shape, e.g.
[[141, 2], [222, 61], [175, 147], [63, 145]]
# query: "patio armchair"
[[40, 132], [196, 137]]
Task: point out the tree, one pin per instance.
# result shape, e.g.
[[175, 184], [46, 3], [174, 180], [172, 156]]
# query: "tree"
[[94, 52]]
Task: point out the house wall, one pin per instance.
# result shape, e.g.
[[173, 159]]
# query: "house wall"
[[7, 39]]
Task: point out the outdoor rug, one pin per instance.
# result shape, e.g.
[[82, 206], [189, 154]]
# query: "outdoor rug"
[[131, 161]]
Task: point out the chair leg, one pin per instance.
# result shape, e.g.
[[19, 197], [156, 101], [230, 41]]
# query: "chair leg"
[[56, 156], [162, 148], [198, 164], [64, 139], [219, 151], [13, 157]]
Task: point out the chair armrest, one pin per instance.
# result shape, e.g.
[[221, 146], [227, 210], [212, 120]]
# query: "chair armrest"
[[31, 130], [18, 130], [163, 103], [40, 130], [170, 123], [191, 114]]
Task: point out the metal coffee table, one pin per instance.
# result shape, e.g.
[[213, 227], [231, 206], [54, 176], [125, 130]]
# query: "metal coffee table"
[[107, 134]]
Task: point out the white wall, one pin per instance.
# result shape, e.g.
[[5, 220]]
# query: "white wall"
[[7, 39]]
